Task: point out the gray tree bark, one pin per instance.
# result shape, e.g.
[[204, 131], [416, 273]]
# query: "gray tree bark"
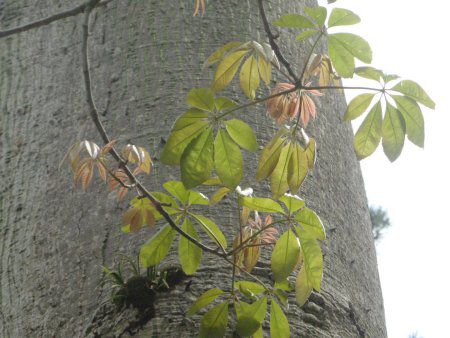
[[146, 55]]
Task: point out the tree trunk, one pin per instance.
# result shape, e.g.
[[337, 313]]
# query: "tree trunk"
[[145, 56]]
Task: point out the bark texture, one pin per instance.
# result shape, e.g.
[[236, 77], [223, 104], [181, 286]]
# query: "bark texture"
[[146, 55]]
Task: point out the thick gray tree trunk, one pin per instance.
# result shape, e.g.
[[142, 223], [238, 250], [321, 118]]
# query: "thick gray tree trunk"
[[146, 55]]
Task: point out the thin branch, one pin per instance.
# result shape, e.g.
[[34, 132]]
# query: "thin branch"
[[273, 43], [106, 139]]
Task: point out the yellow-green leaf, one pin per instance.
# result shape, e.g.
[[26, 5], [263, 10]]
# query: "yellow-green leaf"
[[242, 134], [211, 229], [252, 287], [297, 169], [219, 195], [265, 70], [261, 204], [285, 255], [302, 287], [189, 254], [202, 301], [279, 177], [191, 116], [414, 91], [293, 21], [219, 53], [227, 68], [318, 13], [311, 223], [177, 189], [227, 159], [342, 17], [249, 77], [305, 34], [201, 98], [368, 135], [413, 119], [270, 155], [311, 153], [393, 131], [214, 322], [358, 105], [154, 251], [312, 258], [292, 202], [279, 325]]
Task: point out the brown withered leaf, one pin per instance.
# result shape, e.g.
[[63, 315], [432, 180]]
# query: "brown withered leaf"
[[84, 172], [102, 171], [138, 215]]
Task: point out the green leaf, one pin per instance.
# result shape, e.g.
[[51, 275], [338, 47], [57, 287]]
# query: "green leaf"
[[356, 45], [312, 258], [219, 53], [358, 105], [214, 322], [265, 70], [311, 223], [390, 77], [227, 68], [285, 255], [297, 168], [305, 34], [319, 14], [249, 77], [369, 73], [292, 202], [311, 153], [189, 254], [294, 21], [270, 155], [228, 160], [223, 103], [262, 204], [250, 316], [196, 197], [179, 140], [393, 131], [211, 229], [253, 287], [247, 325], [342, 17], [242, 134], [177, 189], [279, 177], [302, 287], [201, 98], [413, 119], [368, 135], [191, 116], [412, 90], [154, 251], [202, 301], [219, 195], [197, 160], [279, 325]]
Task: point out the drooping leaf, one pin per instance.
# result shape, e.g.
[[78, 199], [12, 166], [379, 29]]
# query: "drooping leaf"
[[227, 68], [294, 21], [312, 258], [302, 287], [358, 105], [154, 251], [252, 287], [412, 90], [318, 13], [189, 254], [369, 73], [249, 77], [219, 53], [393, 131], [297, 168], [179, 140], [270, 155], [228, 160], [368, 135], [205, 299], [265, 70], [292, 202], [214, 322], [279, 325], [413, 119], [201, 98], [197, 160], [279, 177], [211, 229], [285, 255], [261, 204], [311, 223], [242, 134], [219, 195], [342, 17]]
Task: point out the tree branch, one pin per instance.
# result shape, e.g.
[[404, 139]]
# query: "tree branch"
[[106, 139]]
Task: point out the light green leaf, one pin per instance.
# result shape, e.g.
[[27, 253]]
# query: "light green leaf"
[[311, 223], [342, 17], [294, 21], [211, 229], [311, 153], [413, 119], [305, 34], [249, 77], [302, 287], [292, 202], [197, 160], [297, 168], [368, 135], [279, 177], [191, 116], [242, 134], [414, 91], [319, 14], [279, 325], [223, 103], [390, 77], [312, 258], [393, 131], [227, 68], [219, 195], [358, 105], [154, 251], [356, 45], [265, 70], [228, 160], [178, 141], [196, 197], [253, 287], [201, 98], [202, 301], [189, 254], [285, 255], [214, 322], [177, 189], [261, 204], [369, 73], [219, 53], [270, 155]]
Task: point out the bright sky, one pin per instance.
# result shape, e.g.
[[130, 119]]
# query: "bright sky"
[[409, 38]]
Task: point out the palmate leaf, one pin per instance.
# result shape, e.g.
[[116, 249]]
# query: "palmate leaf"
[[285, 255], [369, 73], [249, 77], [279, 325], [318, 14], [279, 177], [189, 254], [211, 229], [342, 17], [228, 160], [242, 134], [201, 98], [311, 223], [265, 70], [214, 322], [413, 119], [303, 288], [393, 132], [154, 251], [358, 105], [205, 299], [270, 155], [368, 135], [227, 68], [292, 202], [312, 258], [261, 204], [297, 168], [412, 90], [250, 316]]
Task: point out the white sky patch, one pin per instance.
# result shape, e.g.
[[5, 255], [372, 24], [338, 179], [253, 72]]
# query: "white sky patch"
[[410, 38]]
